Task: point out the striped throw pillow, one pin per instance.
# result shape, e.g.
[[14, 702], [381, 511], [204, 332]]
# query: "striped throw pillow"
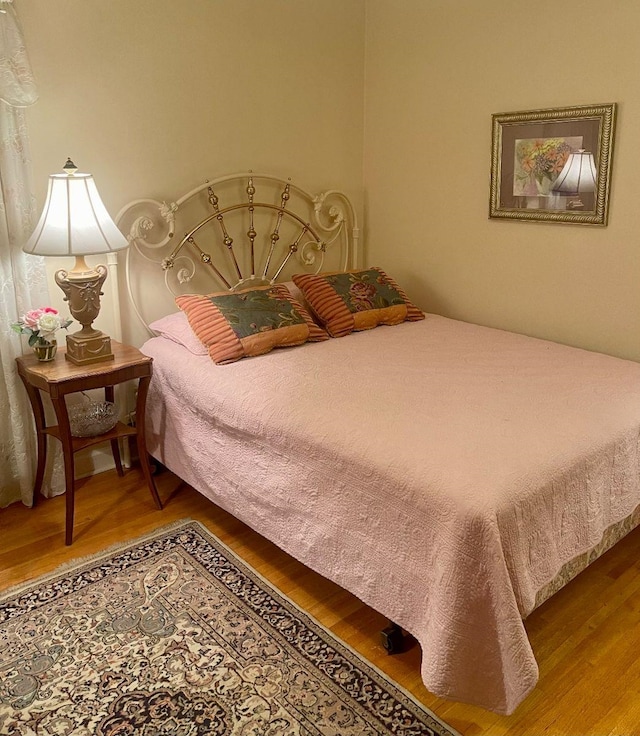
[[348, 301], [241, 324]]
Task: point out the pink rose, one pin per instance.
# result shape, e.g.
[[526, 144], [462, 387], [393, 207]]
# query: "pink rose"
[[50, 310], [31, 318]]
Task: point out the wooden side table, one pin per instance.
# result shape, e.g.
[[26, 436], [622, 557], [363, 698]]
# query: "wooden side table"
[[60, 377]]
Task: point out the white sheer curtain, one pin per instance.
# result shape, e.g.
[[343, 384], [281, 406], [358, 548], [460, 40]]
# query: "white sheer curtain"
[[23, 282]]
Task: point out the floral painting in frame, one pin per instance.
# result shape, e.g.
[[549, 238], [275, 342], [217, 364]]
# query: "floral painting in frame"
[[529, 152]]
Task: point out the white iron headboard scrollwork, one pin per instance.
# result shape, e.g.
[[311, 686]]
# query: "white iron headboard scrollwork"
[[250, 229]]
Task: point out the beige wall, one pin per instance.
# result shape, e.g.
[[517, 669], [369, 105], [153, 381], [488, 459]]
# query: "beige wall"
[[153, 97], [435, 72]]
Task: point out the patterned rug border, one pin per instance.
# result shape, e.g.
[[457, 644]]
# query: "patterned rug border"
[[79, 563]]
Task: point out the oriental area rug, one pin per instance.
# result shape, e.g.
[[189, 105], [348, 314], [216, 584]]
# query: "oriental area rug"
[[174, 635]]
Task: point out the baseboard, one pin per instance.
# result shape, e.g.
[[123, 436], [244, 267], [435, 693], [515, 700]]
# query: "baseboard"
[[94, 461]]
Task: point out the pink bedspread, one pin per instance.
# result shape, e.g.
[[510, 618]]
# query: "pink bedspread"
[[441, 471]]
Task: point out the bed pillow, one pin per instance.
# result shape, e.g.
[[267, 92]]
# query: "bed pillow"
[[240, 324], [348, 301], [176, 327]]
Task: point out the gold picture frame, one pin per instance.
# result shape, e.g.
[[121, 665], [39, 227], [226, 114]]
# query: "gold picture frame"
[[534, 155]]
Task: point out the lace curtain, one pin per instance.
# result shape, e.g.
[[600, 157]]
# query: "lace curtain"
[[23, 283]]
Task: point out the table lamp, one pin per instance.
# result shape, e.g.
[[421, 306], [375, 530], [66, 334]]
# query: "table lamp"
[[577, 177], [75, 222]]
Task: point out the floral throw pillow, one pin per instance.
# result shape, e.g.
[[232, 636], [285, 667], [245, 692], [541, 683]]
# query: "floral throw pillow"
[[356, 300], [234, 325]]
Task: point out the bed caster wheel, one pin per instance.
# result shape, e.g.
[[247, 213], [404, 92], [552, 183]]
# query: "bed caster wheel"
[[392, 639]]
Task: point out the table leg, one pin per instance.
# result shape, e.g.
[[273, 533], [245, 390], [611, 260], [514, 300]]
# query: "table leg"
[[115, 445], [60, 407], [38, 414], [143, 388]]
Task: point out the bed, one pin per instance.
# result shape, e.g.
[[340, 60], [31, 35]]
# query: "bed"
[[450, 475]]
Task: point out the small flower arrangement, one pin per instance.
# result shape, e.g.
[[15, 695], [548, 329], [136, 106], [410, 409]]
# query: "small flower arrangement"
[[41, 325], [538, 163], [543, 158]]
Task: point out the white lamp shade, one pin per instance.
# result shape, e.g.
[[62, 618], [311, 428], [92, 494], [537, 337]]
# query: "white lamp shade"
[[578, 174], [74, 221]]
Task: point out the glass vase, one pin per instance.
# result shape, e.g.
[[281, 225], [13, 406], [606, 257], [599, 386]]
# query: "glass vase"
[[45, 350]]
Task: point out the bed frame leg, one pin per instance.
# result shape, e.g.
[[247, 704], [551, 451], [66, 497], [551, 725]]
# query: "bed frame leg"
[[392, 638]]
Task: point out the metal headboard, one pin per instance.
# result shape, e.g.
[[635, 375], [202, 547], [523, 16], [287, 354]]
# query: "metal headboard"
[[250, 229]]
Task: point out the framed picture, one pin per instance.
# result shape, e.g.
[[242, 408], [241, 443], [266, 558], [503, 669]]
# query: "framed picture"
[[553, 165]]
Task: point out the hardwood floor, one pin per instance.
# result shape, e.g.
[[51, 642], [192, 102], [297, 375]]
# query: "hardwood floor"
[[586, 638]]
